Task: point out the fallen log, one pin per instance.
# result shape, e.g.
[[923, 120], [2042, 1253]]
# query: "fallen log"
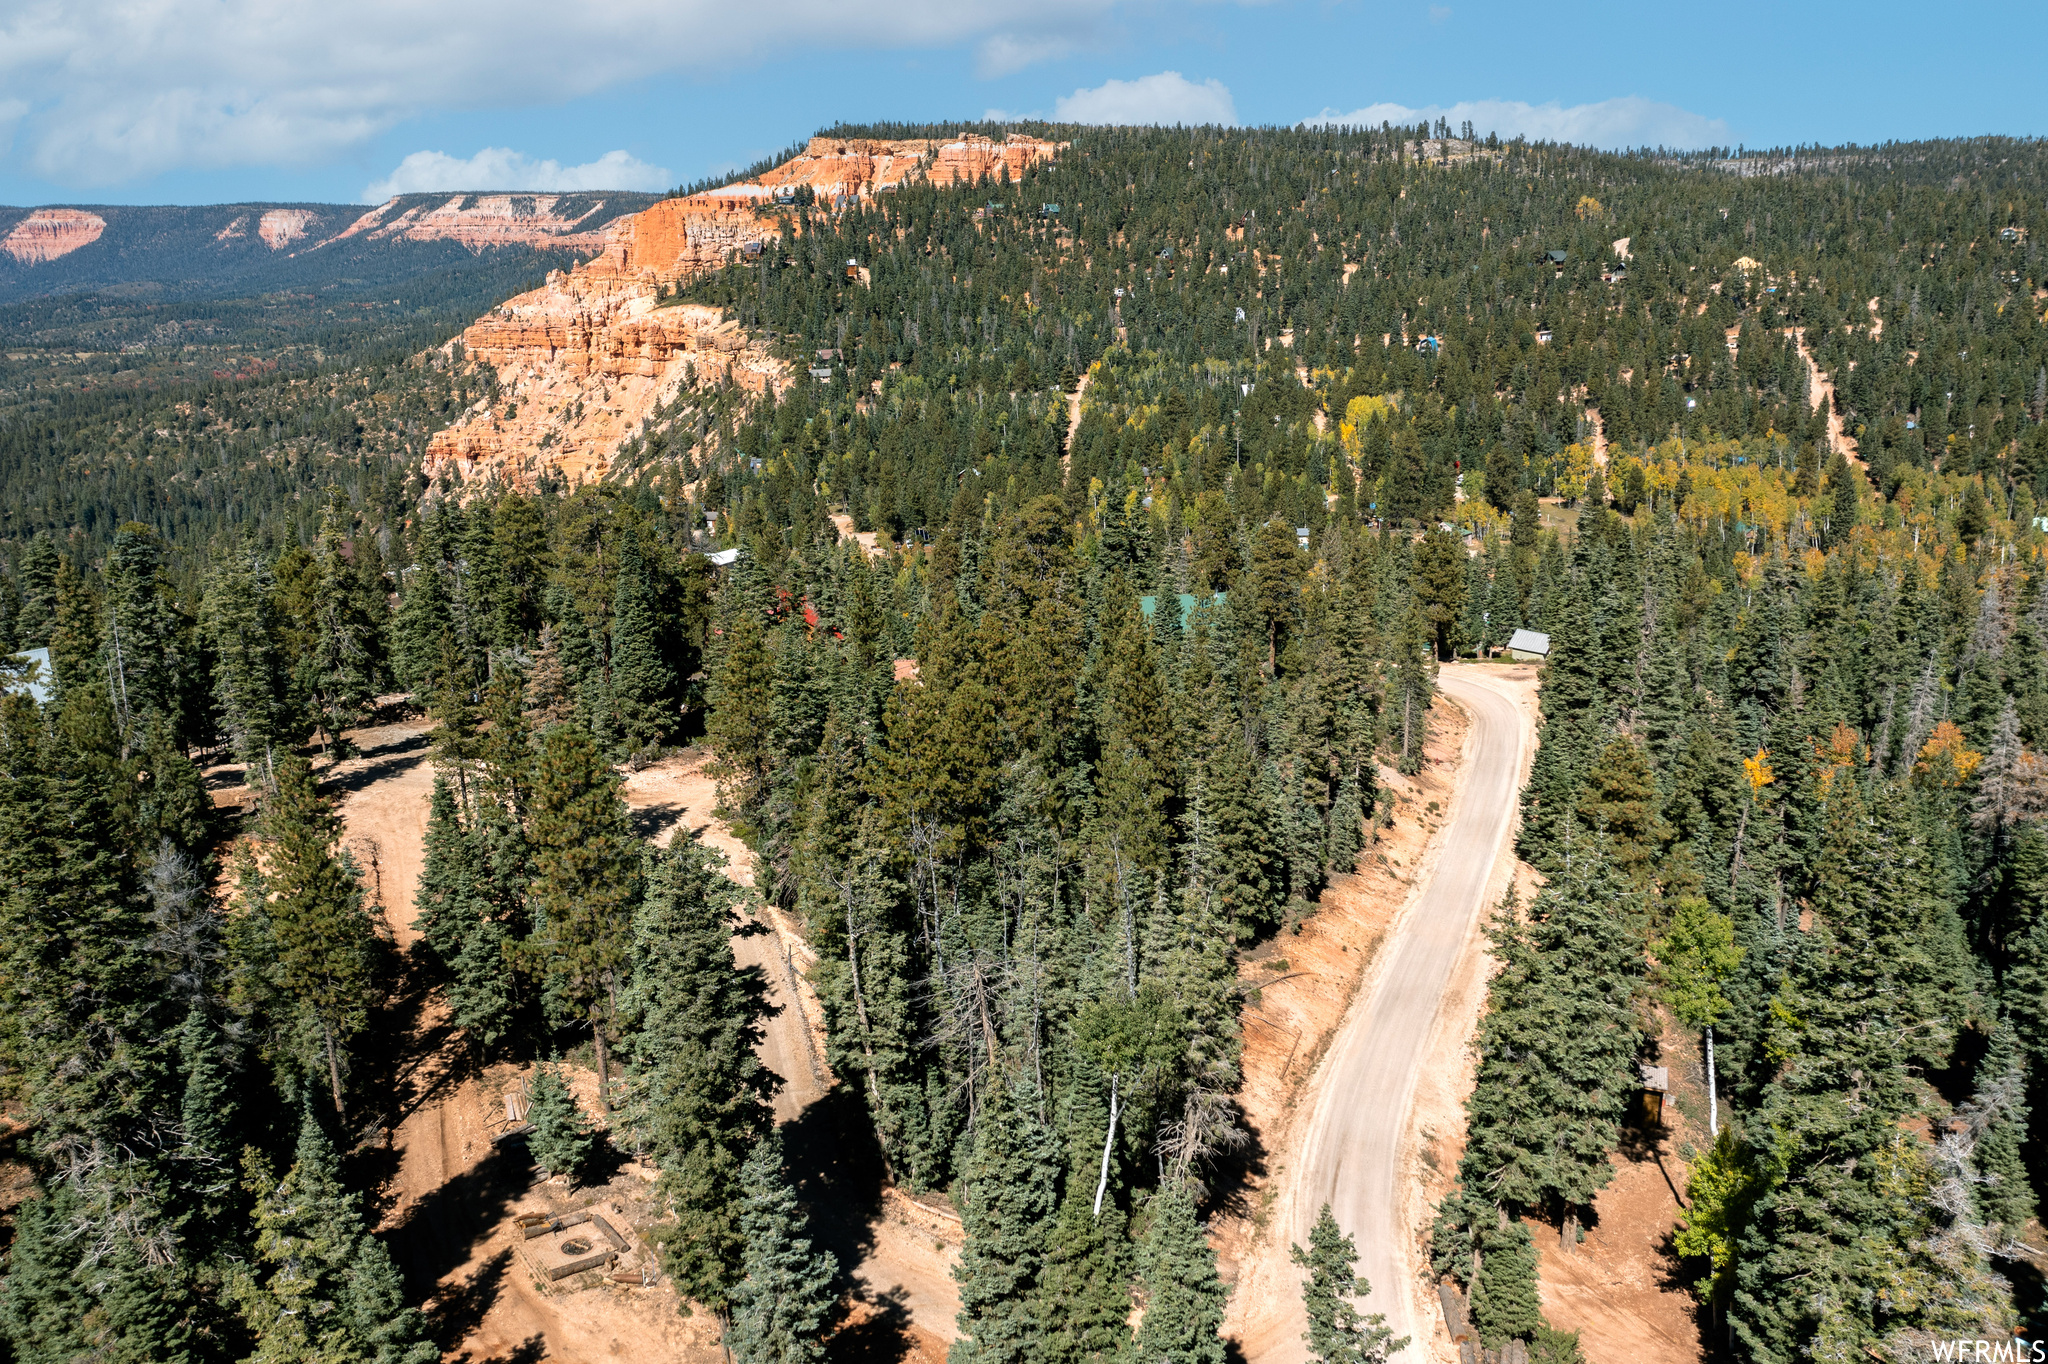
[[595, 1261]]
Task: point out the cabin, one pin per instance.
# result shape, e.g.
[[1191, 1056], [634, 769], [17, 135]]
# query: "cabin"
[[822, 372], [853, 269], [1301, 534], [1048, 210], [1557, 257], [1528, 646], [722, 558], [828, 353], [1543, 336]]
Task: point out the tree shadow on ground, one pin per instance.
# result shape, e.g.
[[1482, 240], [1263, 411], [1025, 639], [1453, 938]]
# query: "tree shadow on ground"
[[532, 1350], [389, 1084], [878, 1332], [384, 761], [650, 820], [837, 1169], [438, 1233], [1230, 1176], [460, 1308]]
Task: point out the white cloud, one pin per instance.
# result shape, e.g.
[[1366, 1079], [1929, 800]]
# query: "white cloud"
[[503, 168], [117, 89], [1005, 54], [1628, 122], [1168, 97]]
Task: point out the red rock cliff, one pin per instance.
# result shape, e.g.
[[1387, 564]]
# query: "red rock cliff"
[[584, 361]]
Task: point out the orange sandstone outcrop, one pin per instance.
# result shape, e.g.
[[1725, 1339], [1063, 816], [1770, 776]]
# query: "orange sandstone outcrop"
[[48, 233], [582, 364], [865, 166], [584, 361]]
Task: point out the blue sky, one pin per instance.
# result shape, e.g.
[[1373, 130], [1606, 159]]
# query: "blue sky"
[[196, 101]]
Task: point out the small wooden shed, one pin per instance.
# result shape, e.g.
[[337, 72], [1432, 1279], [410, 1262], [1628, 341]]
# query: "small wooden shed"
[[1656, 1084]]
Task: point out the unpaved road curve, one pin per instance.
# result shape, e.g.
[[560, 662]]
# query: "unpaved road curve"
[[1354, 1155]]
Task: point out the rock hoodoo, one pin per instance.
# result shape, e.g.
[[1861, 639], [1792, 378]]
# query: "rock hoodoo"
[[584, 361], [48, 233]]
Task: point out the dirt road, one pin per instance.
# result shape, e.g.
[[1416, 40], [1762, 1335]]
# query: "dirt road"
[[1359, 1144]]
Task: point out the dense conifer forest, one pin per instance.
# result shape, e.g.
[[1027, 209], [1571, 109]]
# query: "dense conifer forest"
[[1189, 458]]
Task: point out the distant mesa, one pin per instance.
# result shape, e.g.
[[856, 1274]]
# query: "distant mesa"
[[554, 221], [48, 233]]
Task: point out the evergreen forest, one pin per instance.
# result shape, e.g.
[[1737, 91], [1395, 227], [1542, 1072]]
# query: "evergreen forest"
[[1187, 461]]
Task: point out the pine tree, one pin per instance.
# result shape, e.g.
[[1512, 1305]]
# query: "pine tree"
[[1832, 1224], [1504, 1302], [424, 620], [208, 1115], [562, 1141], [699, 1095], [324, 938], [1441, 587], [1183, 1296], [1336, 1333], [1558, 1044], [1618, 798], [347, 626], [1997, 1116], [141, 638], [249, 674], [42, 1306], [783, 1303], [1011, 1187], [740, 728], [548, 686], [643, 683], [319, 1286], [586, 882], [1414, 687], [1084, 1291], [1229, 833], [456, 922]]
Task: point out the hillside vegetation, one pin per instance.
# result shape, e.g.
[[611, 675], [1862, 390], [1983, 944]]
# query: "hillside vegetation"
[[1179, 495]]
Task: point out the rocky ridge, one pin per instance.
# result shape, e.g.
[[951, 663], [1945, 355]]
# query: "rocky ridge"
[[485, 220], [588, 360]]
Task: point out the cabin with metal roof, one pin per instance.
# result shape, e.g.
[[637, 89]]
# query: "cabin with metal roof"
[[1528, 646]]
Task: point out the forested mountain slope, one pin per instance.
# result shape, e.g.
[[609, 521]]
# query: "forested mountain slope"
[[1165, 638]]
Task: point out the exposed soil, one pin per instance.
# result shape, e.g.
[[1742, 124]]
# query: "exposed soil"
[[1619, 1287], [451, 1197], [1823, 386], [1306, 982]]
